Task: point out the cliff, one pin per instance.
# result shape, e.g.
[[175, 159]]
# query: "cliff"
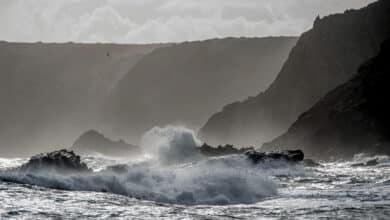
[[353, 118], [187, 82], [324, 57]]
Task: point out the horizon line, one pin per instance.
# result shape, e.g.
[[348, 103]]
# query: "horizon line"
[[151, 43]]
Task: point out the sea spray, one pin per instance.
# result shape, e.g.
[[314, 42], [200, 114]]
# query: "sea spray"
[[175, 173], [171, 145], [229, 180], [325, 189]]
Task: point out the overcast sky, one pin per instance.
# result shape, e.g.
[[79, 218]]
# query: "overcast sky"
[[145, 21]]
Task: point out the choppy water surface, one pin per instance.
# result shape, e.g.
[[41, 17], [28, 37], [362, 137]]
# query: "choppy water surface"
[[218, 188]]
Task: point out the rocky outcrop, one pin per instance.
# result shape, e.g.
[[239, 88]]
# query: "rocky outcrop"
[[185, 83], [353, 118], [286, 155], [61, 161], [92, 142], [324, 57], [252, 154], [211, 151]]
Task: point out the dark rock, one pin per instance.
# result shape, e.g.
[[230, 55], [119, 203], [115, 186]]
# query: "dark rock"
[[373, 162], [358, 165], [251, 153], [244, 65], [323, 58], [351, 119], [61, 161], [287, 155], [311, 163], [94, 142], [210, 151]]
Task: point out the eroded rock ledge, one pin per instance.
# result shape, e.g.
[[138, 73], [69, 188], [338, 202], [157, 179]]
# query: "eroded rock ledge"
[[60, 161], [67, 162], [252, 154]]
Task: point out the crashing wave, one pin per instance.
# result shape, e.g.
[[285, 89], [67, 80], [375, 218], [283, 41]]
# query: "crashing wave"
[[221, 180], [363, 160], [228, 180], [172, 175]]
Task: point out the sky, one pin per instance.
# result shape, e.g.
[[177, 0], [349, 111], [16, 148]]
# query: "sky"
[[152, 21]]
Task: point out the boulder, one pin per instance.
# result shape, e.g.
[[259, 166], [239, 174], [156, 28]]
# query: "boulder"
[[211, 151], [287, 155], [60, 161]]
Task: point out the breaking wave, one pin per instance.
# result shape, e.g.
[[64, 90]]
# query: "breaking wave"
[[174, 174], [170, 145], [221, 181]]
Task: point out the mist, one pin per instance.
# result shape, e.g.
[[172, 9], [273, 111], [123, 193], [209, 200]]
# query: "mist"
[[194, 109]]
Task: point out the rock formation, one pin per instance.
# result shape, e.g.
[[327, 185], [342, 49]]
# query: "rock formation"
[[286, 155], [61, 161], [185, 83], [353, 118], [92, 142], [211, 151], [252, 154], [324, 57]]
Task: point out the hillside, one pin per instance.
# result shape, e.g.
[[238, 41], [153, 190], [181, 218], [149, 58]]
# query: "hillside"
[[324, 57], [187, 82], [353, 118], [49, 93]]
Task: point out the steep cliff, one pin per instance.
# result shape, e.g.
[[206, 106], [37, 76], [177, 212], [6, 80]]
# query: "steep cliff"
[[353, 118], [324, 57], [185, 83]]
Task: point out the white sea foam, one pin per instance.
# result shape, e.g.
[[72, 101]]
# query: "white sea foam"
[[364, 158], [228, 180], [176, 173], [170, 145], [205, 182], [9, 163]]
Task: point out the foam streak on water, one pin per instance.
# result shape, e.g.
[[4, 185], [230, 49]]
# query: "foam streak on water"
[[175, 184], [336, 190], [219, 181]]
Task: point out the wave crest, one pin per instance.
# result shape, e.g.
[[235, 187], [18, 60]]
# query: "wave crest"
[[170, 145], [218, 181]]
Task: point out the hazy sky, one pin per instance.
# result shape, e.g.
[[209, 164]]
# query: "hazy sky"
[[144, 21]]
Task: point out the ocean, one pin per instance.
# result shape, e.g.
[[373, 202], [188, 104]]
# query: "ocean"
[[229, 187]]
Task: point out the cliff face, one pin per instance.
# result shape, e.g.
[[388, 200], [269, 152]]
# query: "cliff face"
[[185, 83], [324, 57], [94, 142], [49, 93], [353, 118]]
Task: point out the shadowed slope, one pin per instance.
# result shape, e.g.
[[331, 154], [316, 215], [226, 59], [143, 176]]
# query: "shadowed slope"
[[185, 83], [323, 58], [351, 119], [49, 93]]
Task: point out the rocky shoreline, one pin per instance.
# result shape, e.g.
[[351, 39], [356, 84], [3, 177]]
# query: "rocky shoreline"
[[67, 162]]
